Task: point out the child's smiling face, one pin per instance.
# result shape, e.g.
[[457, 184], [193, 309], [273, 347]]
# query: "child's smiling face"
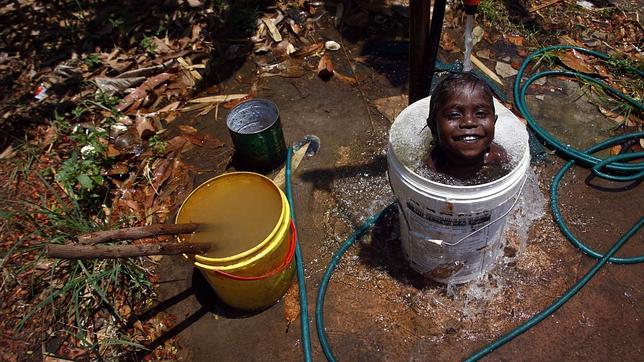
[[464, 125]]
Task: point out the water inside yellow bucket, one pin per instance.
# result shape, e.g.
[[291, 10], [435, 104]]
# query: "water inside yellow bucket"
[[241, 211], [247, 218]]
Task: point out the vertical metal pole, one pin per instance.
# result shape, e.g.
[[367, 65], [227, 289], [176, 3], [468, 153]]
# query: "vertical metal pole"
[[419, 13], [423, 45], [438, 14]]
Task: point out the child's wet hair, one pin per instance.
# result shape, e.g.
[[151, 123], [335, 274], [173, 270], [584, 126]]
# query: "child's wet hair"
[[448, 85]]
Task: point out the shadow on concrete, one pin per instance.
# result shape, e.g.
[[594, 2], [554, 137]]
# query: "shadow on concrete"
[[381, 250], [600, 184], [208, 301]]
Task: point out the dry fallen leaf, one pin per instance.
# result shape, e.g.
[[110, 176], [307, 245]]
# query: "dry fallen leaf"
[[161, 46], [170, 107], [618, 118], [615, 150], [147, 71], [505, 70], [162, 171], [134, 99], [352, 81], [144, 127], [295, 27], [477, 35], [186, 129], [308, 50], [567, 40], [391, 106], [194, 107], [178, 144], [291, 304], [233, 102], [208, 109], [7, 153], [448, 44], [189, 68], [138, 326], [291, 71], [118, 169], [577, 61], [325, 67], [195, 3], [483, 53], [517, 40], [272, 29], [283, 49], [113, 86], [50, 136], [112, 152], [196, 32]]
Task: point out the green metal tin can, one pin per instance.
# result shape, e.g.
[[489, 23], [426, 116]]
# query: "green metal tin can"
[[256, 132]]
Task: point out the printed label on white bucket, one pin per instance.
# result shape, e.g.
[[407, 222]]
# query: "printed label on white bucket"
[[447, 221]]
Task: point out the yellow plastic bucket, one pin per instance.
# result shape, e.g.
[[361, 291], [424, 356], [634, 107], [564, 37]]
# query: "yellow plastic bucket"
[[248, 218], [253, 292]]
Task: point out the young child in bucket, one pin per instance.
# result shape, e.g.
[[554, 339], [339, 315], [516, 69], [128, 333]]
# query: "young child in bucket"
[[461, 120]]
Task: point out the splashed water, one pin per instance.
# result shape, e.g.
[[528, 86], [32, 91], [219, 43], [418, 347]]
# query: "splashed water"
[[467, 60], [485, 174]]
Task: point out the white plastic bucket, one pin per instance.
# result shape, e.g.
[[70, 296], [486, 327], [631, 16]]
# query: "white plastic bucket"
[[452, 234]]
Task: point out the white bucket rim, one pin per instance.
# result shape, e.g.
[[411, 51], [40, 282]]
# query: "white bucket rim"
[[517, 171]]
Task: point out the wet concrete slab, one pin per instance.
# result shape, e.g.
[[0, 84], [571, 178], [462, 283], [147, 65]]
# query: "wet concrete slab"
[[376, 307]]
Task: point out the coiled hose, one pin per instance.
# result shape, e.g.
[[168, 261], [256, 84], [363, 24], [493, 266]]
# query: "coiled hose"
[[619, 172]]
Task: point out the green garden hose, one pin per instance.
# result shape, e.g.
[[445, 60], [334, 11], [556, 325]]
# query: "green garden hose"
[[299, 266]]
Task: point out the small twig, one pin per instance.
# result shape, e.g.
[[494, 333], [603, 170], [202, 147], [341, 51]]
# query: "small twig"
[[366, 106], [544, 5], [137, 232], [364, 97], [146, 172], [76, 251]]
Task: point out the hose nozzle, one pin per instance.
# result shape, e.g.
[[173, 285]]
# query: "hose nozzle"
[[470, 6]]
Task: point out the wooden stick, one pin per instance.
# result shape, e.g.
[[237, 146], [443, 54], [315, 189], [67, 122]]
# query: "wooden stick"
[[137, 232], [77, 251], [479, 64]]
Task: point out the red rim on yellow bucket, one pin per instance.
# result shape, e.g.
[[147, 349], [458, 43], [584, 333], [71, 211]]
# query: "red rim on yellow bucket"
[[285, 264], [253, 292]]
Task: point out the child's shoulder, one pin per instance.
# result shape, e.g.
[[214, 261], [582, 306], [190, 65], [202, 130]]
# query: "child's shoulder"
[[496, 155]]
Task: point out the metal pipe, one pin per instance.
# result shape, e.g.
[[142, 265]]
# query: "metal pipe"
[[419, 11], [424, 39], [438, 14]]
